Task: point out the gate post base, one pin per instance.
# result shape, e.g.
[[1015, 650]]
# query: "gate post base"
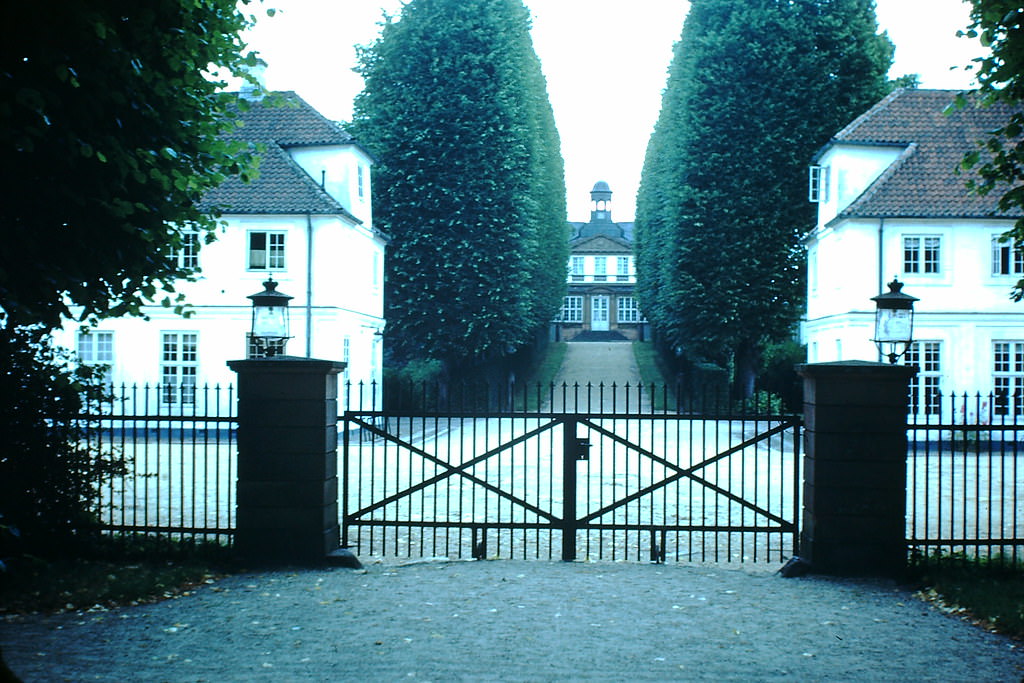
[[855, 468], [287, 460]]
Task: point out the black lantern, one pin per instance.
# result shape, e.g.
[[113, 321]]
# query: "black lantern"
[[270, 319], [894, 321]]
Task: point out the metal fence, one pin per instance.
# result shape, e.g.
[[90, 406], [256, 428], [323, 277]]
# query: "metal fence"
[[175, 446], [462, 472], [964, 476]]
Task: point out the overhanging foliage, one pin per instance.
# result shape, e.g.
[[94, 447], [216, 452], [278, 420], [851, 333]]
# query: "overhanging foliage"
[[109, 132], [1000, 160]]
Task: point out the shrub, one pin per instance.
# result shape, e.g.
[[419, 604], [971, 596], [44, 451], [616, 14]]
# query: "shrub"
[[48, 476], [778, 373], [762, 403]]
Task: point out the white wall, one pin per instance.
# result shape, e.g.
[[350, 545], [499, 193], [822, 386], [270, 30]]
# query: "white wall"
[[850, 170], [338, 167]]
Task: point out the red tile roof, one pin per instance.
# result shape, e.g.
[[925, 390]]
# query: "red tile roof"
[[282, 187], [923, 182]]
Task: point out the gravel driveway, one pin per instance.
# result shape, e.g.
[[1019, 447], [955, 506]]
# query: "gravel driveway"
[[517, 621]]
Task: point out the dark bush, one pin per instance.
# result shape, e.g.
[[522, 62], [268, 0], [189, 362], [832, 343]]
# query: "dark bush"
[[48, 476]]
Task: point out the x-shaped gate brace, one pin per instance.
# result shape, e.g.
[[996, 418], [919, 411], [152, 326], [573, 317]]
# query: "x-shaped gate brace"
[[449, 471], [571, 452]]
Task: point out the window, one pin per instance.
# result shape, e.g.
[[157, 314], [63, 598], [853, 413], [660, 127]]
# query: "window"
[[600, 269], [346, 358], [1006, 260], [817, 184], [1008, 377], [360, 182], [187, 256], [921, 254], [924, 386], [179, 361], [266, 250], [572, 310], [627, 310], [576, 269], [622, 269], [97, 348], [259, 349]]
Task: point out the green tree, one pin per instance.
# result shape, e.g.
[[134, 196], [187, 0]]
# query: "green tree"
[[755, 88], [109, 134], [999, 162], [109, 130], [469, 181]]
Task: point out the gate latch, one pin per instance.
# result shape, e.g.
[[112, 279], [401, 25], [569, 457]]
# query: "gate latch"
[[582, 449]]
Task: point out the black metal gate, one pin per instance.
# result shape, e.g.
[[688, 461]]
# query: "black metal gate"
[[571, 486]]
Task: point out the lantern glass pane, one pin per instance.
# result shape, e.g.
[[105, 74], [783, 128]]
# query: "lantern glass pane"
[[269, 321], [893, 325]]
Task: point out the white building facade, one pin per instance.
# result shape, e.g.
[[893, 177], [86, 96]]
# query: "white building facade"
[[891, 204], [601, 290], [306, 222]]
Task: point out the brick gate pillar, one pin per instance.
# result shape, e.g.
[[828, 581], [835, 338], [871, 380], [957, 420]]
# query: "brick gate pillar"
[[855, 467], [287, 493]]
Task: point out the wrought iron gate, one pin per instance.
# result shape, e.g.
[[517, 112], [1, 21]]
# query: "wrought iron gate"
[[571, 486]]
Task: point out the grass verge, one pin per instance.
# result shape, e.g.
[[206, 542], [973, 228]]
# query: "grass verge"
[[652, 376], [118, 572], [988, 592], [541, 374]]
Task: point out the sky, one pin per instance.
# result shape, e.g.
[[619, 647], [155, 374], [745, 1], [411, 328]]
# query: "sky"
[[605, 61]]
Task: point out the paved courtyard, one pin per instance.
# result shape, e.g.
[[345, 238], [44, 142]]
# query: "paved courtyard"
[[517, 621]]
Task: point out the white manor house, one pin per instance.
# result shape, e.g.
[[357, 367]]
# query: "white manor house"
[[307, 222], [892, 204]]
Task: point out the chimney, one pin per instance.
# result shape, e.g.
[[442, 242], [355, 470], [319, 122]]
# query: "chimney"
[[248, 90]]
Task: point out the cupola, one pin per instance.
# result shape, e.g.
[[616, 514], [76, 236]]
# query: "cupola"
[[601, 196]]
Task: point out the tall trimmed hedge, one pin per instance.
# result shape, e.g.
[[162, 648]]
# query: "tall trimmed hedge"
[[469, 180], [755, 88]]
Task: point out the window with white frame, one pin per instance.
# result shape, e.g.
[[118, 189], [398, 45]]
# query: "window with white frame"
[[576, 269], [97, 348], [572, 310], [921, 253], [817, 184], [187, 256], [360, 181], [926, 356], [266, 250], [626, 310], [255, 347], [600, 268], [1006, 259], [1008, 377], [346, 354], [346, 358], [179, 364], [622, 269]]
